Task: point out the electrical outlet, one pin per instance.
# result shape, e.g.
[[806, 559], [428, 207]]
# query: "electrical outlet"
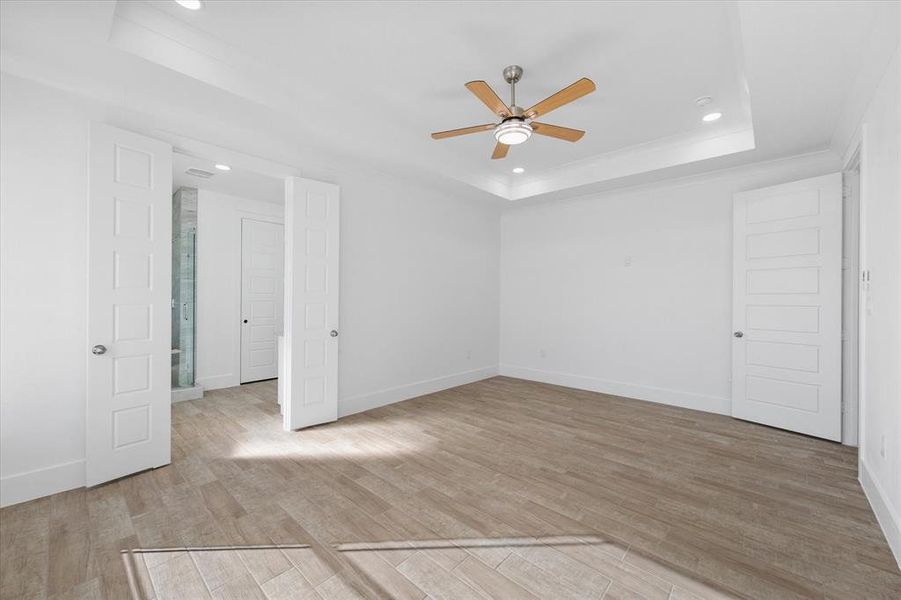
[[882, 447], [627, 261], [542, 353], [469, 355]]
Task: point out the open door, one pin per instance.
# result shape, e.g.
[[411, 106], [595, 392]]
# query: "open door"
[[311, 303], [129, 259], [787, 306]]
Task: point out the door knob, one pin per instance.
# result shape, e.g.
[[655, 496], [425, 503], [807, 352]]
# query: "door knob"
[[245, 320], [99, 349], [738, 334], [333, 333]]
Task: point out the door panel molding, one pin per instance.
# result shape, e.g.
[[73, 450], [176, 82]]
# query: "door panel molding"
[[311, 303], [787, 302], [129, 283], [262, 297]]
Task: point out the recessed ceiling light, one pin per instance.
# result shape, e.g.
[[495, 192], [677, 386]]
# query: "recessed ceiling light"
[[190, 4], [703, 100], [710, 117], [222, 167], [518, 170]]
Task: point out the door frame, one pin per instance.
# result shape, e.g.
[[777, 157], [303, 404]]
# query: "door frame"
[[852, 328], [854, 414]]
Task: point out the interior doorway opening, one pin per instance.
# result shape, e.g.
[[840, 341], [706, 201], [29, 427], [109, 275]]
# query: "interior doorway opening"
[[227, 274]]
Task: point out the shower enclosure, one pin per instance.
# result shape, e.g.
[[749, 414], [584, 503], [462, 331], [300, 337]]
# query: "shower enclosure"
[[184, 232]]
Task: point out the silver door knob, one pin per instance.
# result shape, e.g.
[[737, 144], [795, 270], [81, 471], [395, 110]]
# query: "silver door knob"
[[738, 334], [99, 349], [333, 333]]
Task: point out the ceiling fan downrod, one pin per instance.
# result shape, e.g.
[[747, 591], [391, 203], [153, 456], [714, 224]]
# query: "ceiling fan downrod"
[[512, 75]]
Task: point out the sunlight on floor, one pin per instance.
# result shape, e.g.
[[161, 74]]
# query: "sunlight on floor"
[[314, 450], [332, 441]]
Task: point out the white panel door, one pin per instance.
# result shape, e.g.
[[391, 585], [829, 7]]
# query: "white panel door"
[[786, 312], [262, 297], [129, 285], [311, 303]]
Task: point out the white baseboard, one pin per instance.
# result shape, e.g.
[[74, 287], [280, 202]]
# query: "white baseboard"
[[185, 394], [355, 404], [41, 482], [216, 382], [888, 519], [714, 404]]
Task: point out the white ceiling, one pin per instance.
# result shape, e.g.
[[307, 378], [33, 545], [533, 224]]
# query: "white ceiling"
[[237, 182], [322, 84]]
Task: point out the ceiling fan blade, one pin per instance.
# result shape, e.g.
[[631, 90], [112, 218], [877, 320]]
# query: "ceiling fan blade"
[[555, 131], [440, 135], [487, 95], [500, 151], [565, 96]]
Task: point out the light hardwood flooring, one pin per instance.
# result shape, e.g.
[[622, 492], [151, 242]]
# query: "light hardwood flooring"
[[499, 489]]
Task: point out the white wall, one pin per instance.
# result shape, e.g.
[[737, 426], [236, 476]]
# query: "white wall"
[[419, 292], [418, 296], [573, 312], [218, 321], [43, 265], [419, 287], [880, 406]]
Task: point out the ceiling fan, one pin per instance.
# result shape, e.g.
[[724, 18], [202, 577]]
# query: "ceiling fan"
[[518, 125]]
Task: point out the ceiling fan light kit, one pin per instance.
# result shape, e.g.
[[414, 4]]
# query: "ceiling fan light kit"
[[518, 125], [512, 131]]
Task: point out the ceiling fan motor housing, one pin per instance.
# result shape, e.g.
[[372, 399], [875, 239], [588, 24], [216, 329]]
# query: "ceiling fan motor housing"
[[512, 74]]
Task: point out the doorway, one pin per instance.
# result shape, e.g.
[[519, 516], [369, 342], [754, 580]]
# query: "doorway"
[[133, 313], [219, 200]]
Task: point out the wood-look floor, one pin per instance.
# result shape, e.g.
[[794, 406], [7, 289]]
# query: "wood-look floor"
[[499, 489]]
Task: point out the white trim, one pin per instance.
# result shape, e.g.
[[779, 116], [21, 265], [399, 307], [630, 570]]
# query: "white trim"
[[29, 485], [851, 156], [184, 394], [216, 382], [851, 291], [362, 402], [816, 161], [714, 404], [888, 519], [862, 237]]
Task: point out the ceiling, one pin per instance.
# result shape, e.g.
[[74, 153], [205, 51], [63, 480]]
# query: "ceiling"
[[320, 85], [236, 182]]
